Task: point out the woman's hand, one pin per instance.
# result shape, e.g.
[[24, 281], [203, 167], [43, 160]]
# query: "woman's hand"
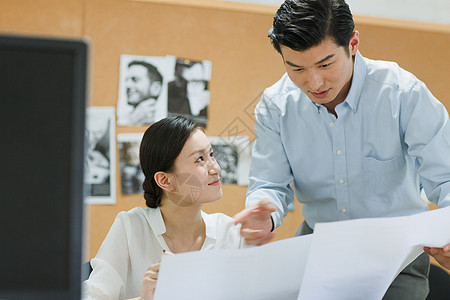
[[149, 282], [150, 278]]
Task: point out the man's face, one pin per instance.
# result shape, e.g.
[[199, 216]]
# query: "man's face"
[[323, 72], [195, 79], [137, 84]]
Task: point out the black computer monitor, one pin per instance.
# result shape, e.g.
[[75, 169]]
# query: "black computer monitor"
[[42, 127]]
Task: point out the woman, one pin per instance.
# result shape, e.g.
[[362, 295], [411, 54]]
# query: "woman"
[[181, 175]]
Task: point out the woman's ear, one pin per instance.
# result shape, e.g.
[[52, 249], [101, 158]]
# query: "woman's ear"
[[164, 181]]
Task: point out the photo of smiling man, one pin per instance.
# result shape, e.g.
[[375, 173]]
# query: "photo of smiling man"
[[143, 89]]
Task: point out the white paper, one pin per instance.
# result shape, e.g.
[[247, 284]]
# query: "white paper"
[[272, 271], [355, 259], [367, 254]]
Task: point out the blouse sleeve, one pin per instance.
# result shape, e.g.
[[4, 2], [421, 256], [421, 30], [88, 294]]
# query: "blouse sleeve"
[[104, 283], [109, 275]]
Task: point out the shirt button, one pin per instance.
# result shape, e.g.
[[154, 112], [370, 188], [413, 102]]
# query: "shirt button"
[[331, 124], [339, 152], [354, 107], [341, 181], [343, 210]]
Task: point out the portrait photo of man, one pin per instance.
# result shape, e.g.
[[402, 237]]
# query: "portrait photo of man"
[[188, 94], [142, 92]]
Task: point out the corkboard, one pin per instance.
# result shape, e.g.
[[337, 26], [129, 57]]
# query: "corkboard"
[[42, 17], [233, 37]]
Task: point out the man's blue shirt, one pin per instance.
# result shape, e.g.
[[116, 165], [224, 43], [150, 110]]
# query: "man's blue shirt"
[[391, 137]]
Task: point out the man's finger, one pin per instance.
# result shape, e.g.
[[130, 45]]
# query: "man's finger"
[[266, 240], [261, 206], [241, 216], [265, 204], [260, 240], [248, 233]]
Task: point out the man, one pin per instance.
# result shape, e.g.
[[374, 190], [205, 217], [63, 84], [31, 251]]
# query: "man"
[[143, 85], [188, 94], [353, 137], [442, 255]]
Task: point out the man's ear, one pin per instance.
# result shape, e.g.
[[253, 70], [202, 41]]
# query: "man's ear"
[[354, 43], [164, 181], [155, 88]]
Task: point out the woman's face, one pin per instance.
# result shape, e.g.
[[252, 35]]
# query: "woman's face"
[[196, 173]]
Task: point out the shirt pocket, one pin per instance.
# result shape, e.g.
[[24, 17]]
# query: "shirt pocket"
[[382, 178]]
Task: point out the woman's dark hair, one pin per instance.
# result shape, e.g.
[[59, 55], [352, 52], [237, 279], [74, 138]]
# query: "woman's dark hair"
[[160, 146], [303, 24]]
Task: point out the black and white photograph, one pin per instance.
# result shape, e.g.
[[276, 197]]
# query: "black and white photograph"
[[233, 155], [143, 89], [188, 93], [131, 176], [100, 156]]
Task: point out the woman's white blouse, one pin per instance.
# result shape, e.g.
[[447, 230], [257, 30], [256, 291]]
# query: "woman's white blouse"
[[135, 242]]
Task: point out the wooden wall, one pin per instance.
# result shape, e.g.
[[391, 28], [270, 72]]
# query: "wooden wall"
[[233, 37]]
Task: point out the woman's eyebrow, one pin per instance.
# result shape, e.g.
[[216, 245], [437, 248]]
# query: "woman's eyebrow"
[[200, 151]]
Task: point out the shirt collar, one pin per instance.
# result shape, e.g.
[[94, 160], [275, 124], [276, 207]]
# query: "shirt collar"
[[359, 74], [156, 222], [210, 225]]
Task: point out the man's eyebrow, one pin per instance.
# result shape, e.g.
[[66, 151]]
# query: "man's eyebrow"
[[292, 64], [325, 59], [317, 63]]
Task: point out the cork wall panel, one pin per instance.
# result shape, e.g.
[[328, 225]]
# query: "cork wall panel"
[[42, 17]]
